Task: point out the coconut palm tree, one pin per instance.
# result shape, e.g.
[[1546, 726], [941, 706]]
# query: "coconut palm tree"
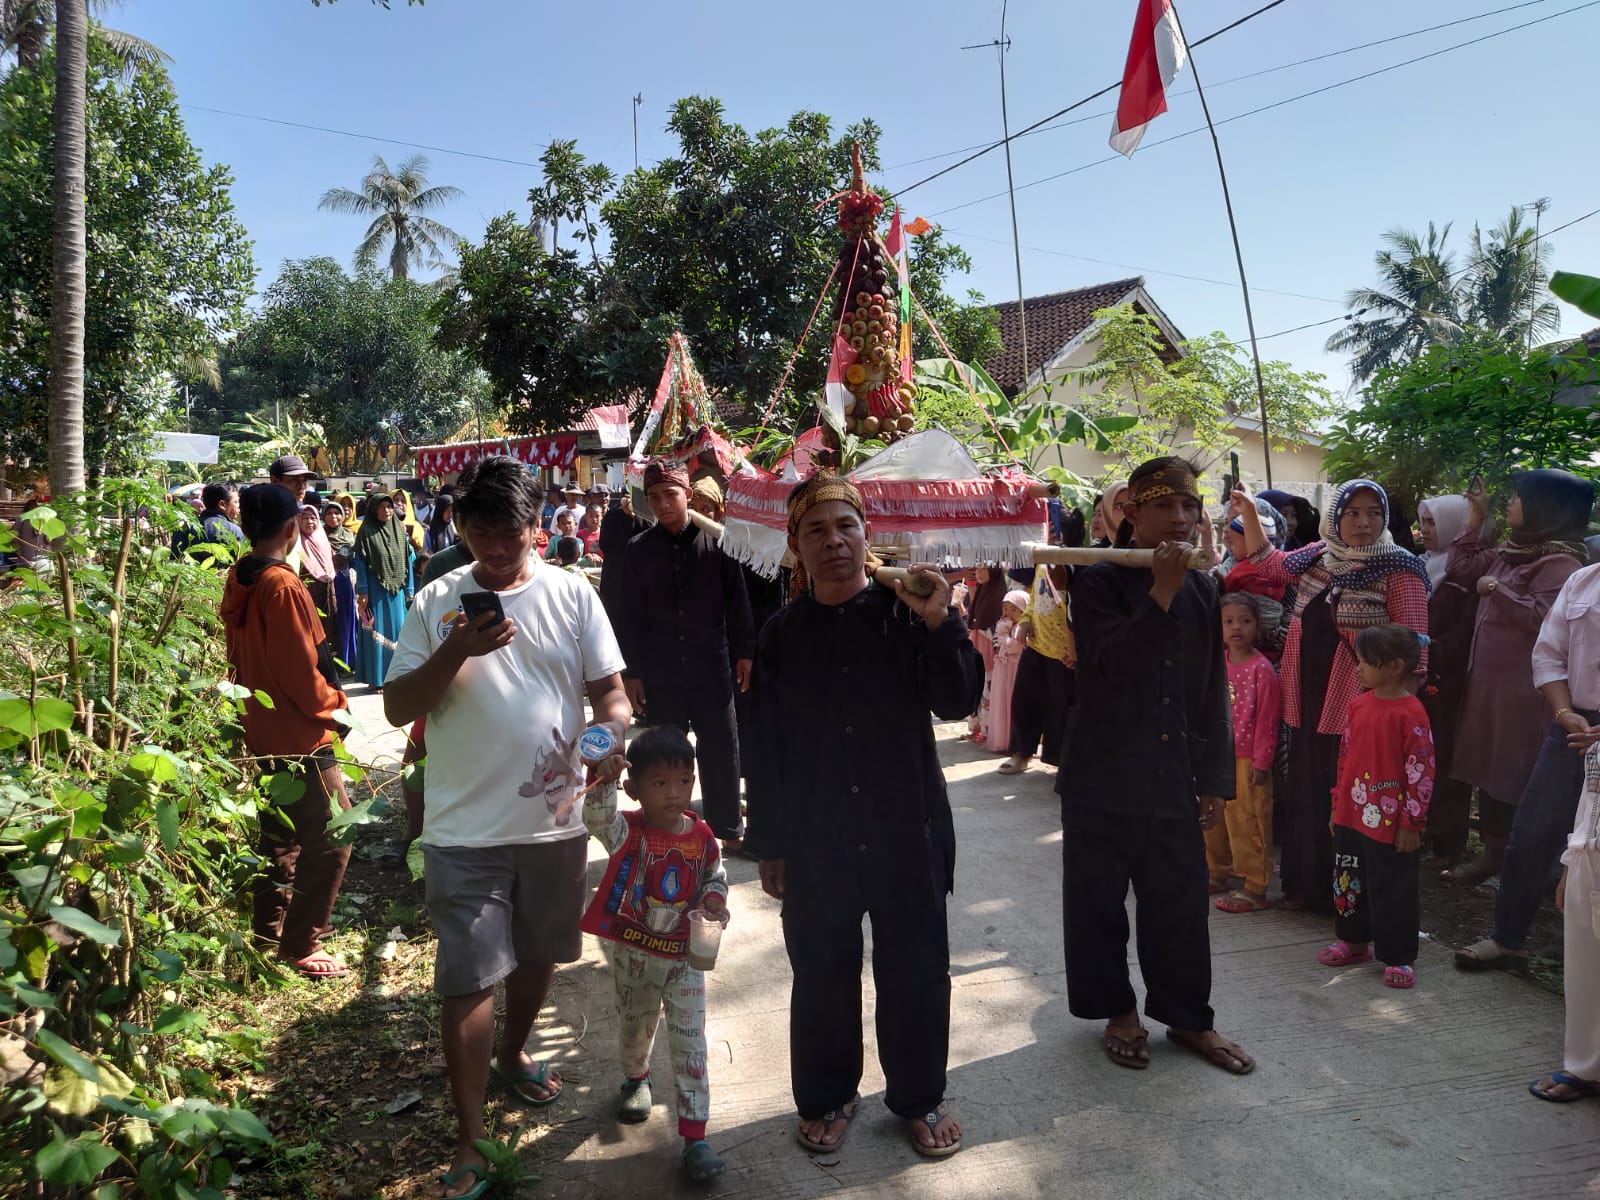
[[68, 248], [1507, 286], [1415, 305], [396, 202], [25, 27]]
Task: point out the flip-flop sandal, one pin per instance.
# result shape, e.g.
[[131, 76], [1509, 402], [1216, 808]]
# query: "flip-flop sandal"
[[1131, 1044], [931, 1121], [1240, 902], [476, 1192], [1485, 955], [1222, 1055], [1578, 1089], [1339, 954], [1399, 977], [537, 1078], [1469, 874], [846, 1113], [1010, 767], [320, 966]]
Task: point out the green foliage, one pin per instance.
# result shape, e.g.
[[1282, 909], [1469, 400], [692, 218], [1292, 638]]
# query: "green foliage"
[[169, 265], [1427, 427], [1580, 291], [355, 355], [123, 798]]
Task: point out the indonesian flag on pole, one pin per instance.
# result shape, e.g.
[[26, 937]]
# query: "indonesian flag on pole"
[[837, 395], [1155, 56], [611, 423]]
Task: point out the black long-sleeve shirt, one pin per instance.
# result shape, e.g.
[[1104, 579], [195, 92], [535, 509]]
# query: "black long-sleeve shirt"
[[844, 744], [682, 609], [1151, 727]]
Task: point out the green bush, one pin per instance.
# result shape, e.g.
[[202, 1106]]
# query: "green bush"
[[128, 817]]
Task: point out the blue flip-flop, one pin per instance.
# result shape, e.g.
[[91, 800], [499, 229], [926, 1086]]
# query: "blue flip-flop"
[[479, 1189], [1582, 1089], [537, 1078]]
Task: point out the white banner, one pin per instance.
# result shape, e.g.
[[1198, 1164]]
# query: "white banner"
[[186, 447]]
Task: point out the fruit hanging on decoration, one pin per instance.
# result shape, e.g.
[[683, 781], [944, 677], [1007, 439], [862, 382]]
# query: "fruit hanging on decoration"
[[867, 319]]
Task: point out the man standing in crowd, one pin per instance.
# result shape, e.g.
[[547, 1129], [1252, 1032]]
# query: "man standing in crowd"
[[849, 816], [572, 495], [1150, 743], [504, 847], [683, 618], [219, 514], [290, 471]]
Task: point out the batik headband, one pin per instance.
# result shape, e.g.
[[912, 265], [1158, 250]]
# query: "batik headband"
[[819, 489], [1175, 479], [665, 470]]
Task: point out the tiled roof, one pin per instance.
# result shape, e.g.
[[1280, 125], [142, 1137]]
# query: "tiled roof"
[[1053, 321]]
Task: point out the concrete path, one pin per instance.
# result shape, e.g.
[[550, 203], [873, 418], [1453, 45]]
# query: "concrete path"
[[1360, 1090]]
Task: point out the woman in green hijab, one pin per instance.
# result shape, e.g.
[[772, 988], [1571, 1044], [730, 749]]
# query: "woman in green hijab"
[[383, 558]]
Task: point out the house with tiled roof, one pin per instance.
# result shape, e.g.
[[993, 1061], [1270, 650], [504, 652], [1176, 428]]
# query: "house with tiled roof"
[[1063, 340]]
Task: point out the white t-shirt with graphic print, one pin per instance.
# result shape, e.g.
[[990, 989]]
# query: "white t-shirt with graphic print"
[[503, 765]]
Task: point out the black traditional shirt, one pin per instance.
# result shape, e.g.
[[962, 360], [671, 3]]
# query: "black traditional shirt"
[[1151, 728], [844, 746], [682, 612]]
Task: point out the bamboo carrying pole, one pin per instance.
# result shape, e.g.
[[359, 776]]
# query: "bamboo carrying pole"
[[1088, 556]]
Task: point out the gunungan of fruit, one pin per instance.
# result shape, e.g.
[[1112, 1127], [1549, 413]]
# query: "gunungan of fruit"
[[855, 373], [869, 426], [858, 343], [907, 422]]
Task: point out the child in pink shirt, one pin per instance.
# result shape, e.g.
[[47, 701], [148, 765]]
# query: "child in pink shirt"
[[1003, 678], [1242, 843]]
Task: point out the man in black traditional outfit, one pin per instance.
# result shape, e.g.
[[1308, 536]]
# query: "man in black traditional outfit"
[[849, 816], [1148, 764], [684, 624]]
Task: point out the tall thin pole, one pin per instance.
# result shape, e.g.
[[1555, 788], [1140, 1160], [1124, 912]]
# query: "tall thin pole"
[[1011, 191], [1238, 257], [1540, 207], [638, 99]]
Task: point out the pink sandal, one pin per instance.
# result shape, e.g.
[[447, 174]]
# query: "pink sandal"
[[1240, 902], [1340, 955], [1399, 977]]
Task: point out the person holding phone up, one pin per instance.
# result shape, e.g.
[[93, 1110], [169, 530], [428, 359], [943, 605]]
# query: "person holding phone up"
[[491, 652]]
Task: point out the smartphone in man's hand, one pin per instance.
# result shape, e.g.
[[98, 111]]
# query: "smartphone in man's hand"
[[475, 604]]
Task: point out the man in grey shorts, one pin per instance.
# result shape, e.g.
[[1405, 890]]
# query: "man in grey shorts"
[[504, 846]]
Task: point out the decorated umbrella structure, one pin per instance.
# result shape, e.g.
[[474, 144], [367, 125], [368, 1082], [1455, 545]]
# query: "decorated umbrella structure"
[[682, 424]]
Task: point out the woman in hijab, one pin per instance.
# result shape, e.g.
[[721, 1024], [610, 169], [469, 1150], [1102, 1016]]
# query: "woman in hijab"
[[384, 583], [1301, 520], [1353, 579], [408, 515], [346, 647], [316, 563], [1108, 516], [987, 593], [1503, 717], [442, 526], [1451, 610]]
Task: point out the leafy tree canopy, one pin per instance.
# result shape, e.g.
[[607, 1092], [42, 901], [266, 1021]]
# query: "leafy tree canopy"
[[169, 264], [354, 354]]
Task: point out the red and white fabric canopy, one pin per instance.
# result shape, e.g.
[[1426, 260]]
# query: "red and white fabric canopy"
[[558, 453]]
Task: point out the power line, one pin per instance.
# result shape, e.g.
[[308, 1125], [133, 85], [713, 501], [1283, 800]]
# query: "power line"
[[1300, 62], [365, 137], [1275, 104]]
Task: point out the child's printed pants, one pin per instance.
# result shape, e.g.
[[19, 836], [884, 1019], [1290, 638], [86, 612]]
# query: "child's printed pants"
[[646, 985], [1375, 896], [1582, 963]]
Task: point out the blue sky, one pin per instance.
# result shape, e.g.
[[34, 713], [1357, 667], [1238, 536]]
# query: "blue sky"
[[1460, 137]]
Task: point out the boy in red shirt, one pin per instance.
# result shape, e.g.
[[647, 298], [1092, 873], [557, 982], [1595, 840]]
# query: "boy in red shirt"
[[665, 863], [1380, 806], [1242, 843]]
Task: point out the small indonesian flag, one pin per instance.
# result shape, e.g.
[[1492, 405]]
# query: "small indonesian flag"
[[611, 423], [895, 243], [1155, 56], [836, 395]]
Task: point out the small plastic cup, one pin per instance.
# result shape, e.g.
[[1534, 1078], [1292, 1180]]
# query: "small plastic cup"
[[705, 937]]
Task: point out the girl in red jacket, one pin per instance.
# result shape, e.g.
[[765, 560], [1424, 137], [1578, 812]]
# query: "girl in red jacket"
[[278, 649]]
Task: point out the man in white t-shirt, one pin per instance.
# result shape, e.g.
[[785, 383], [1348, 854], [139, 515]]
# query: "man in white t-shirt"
[[572, 502], [503, 840]]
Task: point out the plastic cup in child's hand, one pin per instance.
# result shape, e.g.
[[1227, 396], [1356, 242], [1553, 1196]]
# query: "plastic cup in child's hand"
[[705, 938]]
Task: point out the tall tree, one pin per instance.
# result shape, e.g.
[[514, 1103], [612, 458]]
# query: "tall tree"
[[25, 28], [397, 201], [1507, 283], [69, 127], [1415, 304]]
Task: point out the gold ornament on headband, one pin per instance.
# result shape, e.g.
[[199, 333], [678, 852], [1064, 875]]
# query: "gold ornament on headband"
[[1177, 479], [819, 489]]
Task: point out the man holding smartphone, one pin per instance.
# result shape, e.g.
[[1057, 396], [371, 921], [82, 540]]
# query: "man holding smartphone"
[[504, 845]]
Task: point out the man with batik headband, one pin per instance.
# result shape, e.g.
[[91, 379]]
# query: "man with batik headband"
[[684, 623], [849, 816], [1148, 766]]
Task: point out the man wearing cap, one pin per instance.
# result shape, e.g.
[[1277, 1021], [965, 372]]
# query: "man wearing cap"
[[1150, 743], [849, 816], [572, 494], [683, 620], [291, 473]]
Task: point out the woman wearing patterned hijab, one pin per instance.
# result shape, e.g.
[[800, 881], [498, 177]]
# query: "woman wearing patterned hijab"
[[1353, 579], [1503, 718]]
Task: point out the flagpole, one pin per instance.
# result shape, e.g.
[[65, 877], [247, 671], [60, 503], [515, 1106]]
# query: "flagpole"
[[1011, 190], [1238, 252]]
